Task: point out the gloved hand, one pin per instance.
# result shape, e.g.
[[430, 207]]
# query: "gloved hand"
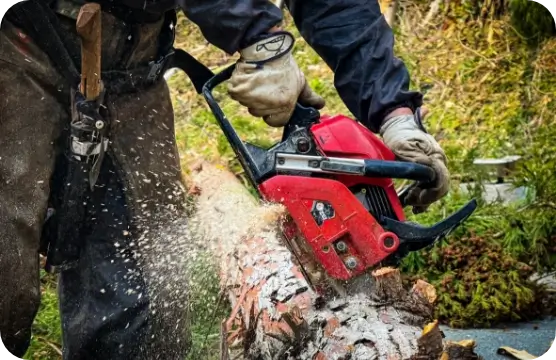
[[409, 142], [268, 81]]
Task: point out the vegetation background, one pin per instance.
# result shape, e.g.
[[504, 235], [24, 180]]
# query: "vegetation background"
[[488, 71]]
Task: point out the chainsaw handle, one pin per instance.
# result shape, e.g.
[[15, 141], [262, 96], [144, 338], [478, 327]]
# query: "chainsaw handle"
[[218, 79], [301, 115], [399, 170], [240, 149]]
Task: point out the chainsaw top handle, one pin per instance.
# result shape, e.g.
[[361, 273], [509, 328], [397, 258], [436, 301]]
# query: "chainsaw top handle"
[[259, 162]]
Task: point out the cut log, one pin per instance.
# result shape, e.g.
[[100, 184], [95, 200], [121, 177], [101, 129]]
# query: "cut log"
[[276, 314]]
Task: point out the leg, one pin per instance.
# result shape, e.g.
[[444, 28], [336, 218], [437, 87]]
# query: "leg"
[[30, 119], [126, 300], [104, 309], [113, 304]]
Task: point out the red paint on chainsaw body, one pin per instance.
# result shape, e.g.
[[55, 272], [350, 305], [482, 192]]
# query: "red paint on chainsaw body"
[[340, 136], [367, 241]]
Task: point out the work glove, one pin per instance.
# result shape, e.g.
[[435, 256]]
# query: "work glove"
[[268, 81], [409, 141]]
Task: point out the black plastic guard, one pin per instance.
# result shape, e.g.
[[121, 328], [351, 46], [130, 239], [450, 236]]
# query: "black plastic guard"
[[416, 237]]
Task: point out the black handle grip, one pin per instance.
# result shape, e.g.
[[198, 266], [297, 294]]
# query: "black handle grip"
[[399, 170], [218, 79]]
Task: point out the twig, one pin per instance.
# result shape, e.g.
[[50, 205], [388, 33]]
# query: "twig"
[[475, 51], [435, 7], [52, 345], [553, 273]]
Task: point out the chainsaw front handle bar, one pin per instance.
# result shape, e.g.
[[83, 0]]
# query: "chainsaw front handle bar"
[[399, 170], [304, 116]]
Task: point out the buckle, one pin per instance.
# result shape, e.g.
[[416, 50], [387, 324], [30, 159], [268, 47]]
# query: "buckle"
[[157, 68]]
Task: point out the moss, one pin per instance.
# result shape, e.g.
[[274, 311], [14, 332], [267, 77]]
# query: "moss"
[[478, 283]]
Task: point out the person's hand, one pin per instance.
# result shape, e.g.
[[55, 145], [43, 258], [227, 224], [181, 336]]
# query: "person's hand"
[[409, 142], [268, 81]]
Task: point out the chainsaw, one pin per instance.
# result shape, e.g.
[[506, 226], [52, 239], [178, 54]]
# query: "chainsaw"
[[335, 178]]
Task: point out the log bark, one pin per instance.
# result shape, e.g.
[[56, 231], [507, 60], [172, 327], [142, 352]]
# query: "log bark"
[[276, 314]]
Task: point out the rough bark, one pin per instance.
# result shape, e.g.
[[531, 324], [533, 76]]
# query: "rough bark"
[[276, 314]]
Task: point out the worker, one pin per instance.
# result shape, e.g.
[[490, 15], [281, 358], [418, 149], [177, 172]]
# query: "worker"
[[110, 302]]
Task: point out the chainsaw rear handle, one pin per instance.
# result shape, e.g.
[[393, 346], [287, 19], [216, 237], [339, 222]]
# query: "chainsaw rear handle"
[[304, 116]]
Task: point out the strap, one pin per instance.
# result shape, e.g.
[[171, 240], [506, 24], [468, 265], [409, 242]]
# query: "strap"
[[195, 70], [129, 79], [198, 73], [125, 81]]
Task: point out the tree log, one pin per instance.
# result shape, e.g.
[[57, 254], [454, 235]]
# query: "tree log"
[[276, 314]]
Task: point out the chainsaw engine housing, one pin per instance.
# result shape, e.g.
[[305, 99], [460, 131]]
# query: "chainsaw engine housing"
[[337, 215]]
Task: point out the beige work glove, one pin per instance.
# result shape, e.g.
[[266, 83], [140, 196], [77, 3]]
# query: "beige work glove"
[[268, 81], [409, 142]]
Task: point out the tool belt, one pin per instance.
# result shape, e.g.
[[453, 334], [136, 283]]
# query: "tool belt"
[[38, 19], [87, 140]]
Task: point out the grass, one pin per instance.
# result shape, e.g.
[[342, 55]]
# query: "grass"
[[47, 334], [490, 92]]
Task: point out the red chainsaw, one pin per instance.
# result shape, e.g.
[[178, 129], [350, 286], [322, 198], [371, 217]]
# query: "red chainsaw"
[[334, 176]]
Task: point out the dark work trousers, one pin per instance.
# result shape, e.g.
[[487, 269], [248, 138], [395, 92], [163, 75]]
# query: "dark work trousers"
[[107, 302]]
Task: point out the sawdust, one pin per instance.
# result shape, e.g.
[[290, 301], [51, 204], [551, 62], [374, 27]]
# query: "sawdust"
[[163, 253], [174, 255], [245, 217]]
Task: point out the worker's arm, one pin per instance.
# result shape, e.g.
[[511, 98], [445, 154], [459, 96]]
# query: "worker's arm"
[[232, 25], [353, 38], [266, 80]]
